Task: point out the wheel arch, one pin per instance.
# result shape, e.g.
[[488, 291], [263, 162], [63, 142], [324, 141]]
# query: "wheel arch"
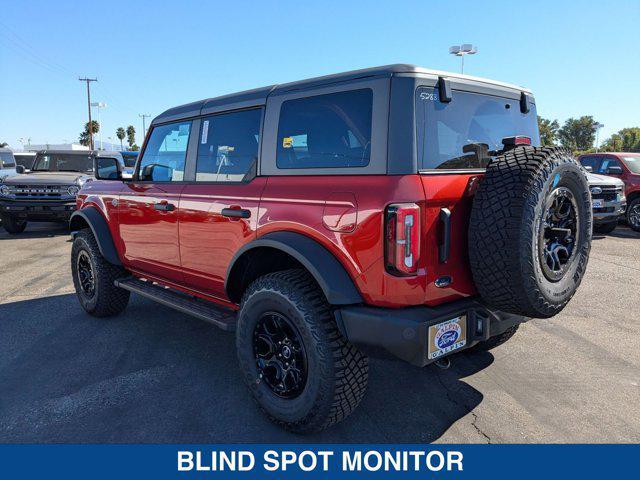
[[283, 250], [90, 217]]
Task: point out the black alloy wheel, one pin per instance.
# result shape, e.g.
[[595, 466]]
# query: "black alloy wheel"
[[559, 233], [280, 355], [86, 277]]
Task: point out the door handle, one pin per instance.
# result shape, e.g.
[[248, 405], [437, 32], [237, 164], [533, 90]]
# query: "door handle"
[[164, 207], [236, 213]]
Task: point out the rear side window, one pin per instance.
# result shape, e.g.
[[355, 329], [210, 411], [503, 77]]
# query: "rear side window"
[[326, 131], [228, 146], [164, 156], [447, 132]]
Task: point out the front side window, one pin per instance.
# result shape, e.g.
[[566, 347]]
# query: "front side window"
[[164, 156], [450, 135], [326, 131], [63, 162], [7, 160], [632, 163], [228, 146]]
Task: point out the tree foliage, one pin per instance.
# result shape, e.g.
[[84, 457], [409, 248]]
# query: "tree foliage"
[[85, 137], [121, 134], [578, 134], [548, 131], [131, 136], [626, 140]]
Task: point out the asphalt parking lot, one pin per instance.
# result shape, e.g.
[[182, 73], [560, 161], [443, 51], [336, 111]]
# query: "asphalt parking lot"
[[155, 375]]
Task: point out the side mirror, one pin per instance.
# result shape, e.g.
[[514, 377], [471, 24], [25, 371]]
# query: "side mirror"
[[20, 169], [589, 168], [156, 172], [107, 168], [614, 170]]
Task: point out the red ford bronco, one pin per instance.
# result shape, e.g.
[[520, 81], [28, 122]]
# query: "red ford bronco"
[[392, 208]]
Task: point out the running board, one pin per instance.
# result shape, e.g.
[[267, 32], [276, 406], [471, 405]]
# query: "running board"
[[220, 317]]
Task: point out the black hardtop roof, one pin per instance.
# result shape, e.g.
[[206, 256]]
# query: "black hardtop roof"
[[259, 95]]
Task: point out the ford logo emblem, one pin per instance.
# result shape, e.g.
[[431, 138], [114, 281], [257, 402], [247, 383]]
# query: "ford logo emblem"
[[596, 190], [448, 338]]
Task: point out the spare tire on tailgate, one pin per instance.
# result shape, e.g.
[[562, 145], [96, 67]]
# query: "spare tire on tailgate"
[[530, 231]]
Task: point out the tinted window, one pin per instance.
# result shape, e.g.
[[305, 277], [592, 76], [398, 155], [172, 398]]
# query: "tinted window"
[[608, 162], [447, 132], [164, 156], [633, 163], [129, 159], [326, 131], [7, 160], [593, 162], [63, 162], [228, 146], [25, 160]]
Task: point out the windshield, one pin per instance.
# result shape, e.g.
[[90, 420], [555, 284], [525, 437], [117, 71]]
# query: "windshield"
[[632, 163], [63, 162], [129, 159], [25, 160], [449, 134]]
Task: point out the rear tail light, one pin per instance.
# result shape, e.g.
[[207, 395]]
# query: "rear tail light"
[[402, 238], [516, 141]]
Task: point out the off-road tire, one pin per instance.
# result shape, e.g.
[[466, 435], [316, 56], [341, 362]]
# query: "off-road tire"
[[635, 203], [337, 371], [496, 341], [605, 228], [108, 300], [505, 225], [13, 225]]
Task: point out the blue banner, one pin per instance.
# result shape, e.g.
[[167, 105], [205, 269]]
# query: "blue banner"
[[318, 461]]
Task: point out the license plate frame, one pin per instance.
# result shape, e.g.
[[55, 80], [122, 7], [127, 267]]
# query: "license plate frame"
[[598, 203], [446, 337]]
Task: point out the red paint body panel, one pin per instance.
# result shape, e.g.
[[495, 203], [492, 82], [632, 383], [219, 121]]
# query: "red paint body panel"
[[208, 240], [191, 247]]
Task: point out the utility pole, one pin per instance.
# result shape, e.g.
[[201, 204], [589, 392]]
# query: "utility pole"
[[144, 125], [89, 80]]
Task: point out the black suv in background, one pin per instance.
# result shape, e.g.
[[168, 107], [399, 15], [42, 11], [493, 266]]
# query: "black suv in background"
[[48, 192]]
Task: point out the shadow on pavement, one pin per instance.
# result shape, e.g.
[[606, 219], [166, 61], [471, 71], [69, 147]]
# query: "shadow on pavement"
[[157, 376], [37, 230]]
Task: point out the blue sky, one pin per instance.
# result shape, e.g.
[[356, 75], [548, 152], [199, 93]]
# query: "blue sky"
[[579, 58]]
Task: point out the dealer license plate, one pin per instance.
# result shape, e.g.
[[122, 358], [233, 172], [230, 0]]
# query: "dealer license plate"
[[599, 203], [447, 336]]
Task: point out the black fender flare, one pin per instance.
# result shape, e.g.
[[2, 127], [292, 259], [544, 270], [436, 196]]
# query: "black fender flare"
[[332, 277], [98, 225]]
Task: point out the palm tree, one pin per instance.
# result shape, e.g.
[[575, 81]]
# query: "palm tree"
[[85, 136], [131, 135], [120, 133]]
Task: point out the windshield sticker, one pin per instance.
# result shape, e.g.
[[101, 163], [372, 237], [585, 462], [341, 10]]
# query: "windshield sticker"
[[205, 132]]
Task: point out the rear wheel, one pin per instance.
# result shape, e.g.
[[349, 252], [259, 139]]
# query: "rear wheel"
[[13, 225], [301, 370], [93, 278], [633, 214], [605, 228], [530, 231]]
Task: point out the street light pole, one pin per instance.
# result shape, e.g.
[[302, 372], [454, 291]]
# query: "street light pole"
[[461, 51], [597, 126], [99, 106], [89, 80]]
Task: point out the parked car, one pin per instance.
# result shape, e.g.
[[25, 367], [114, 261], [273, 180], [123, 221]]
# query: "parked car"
[[7, 163], [609, 202], [130, 158], [25, 160], [48, 192], [393, 208], [626, 167]]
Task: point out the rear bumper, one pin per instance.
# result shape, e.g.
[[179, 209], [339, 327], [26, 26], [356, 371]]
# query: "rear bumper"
[[404, 333], [39, 211]]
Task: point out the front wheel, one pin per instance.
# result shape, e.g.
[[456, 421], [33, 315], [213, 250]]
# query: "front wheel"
[[301, 370], [633, 214], [13, 225], [94, 277]]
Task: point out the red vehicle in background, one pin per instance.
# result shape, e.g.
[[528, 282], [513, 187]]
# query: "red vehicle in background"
[[392, 208], [626, 167]]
